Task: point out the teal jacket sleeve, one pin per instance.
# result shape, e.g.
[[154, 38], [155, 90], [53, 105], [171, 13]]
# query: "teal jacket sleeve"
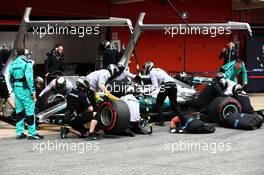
[[244, 73], [228, 66], [29, 77]]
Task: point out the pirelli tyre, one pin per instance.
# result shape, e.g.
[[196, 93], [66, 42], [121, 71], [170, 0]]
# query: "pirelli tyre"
[[49, 99], [114, 116], [220, 107]]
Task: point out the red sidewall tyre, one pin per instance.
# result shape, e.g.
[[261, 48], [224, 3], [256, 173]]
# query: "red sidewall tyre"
[[114, 116]]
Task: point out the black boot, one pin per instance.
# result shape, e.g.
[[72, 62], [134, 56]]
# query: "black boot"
[[93, 136], [36, 137], [63, 132], [128, 132], [22, 136], [137, 128]]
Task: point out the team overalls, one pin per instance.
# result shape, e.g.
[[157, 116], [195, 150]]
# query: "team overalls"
[[231, 72], [167, 88], [76, 112], [21, 77]]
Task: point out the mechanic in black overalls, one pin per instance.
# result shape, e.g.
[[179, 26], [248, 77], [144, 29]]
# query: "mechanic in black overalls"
[[55, 60], [4, 55], [229, 54], [243, 99], [167, 88], [216, 89], [110, 56], [80, 112]]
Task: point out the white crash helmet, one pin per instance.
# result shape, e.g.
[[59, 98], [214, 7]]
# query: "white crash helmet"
[[237, 89], [223, 83], [40, 80], [60, 83], [147, 67]]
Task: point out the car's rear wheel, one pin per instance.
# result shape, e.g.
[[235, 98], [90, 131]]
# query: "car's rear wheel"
[[220, 107]]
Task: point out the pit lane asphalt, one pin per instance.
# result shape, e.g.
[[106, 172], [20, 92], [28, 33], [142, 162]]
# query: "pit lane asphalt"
[[159, 153]]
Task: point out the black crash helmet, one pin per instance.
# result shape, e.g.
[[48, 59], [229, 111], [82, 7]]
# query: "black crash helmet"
[[121, 68], [80, 83], [113, 69]]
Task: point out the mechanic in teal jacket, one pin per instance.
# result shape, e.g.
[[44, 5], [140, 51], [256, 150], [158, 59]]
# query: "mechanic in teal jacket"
[[22, 81], [233, 68]]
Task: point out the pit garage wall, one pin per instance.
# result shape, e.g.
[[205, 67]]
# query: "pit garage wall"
[[255, 17], [73, 50], [168, 53], [202, 51]]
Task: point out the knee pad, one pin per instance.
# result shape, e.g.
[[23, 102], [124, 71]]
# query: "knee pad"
[[30, 120], [19, 116]]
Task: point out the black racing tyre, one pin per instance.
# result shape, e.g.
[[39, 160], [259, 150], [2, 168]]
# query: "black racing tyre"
[[221, 106], [49, 99], [114, 116]]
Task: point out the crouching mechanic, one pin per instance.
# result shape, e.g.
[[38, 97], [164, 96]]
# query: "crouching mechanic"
[[60, 85], [98, 81], [119, 89], [22, 82], [167, 87], [80, 112]]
